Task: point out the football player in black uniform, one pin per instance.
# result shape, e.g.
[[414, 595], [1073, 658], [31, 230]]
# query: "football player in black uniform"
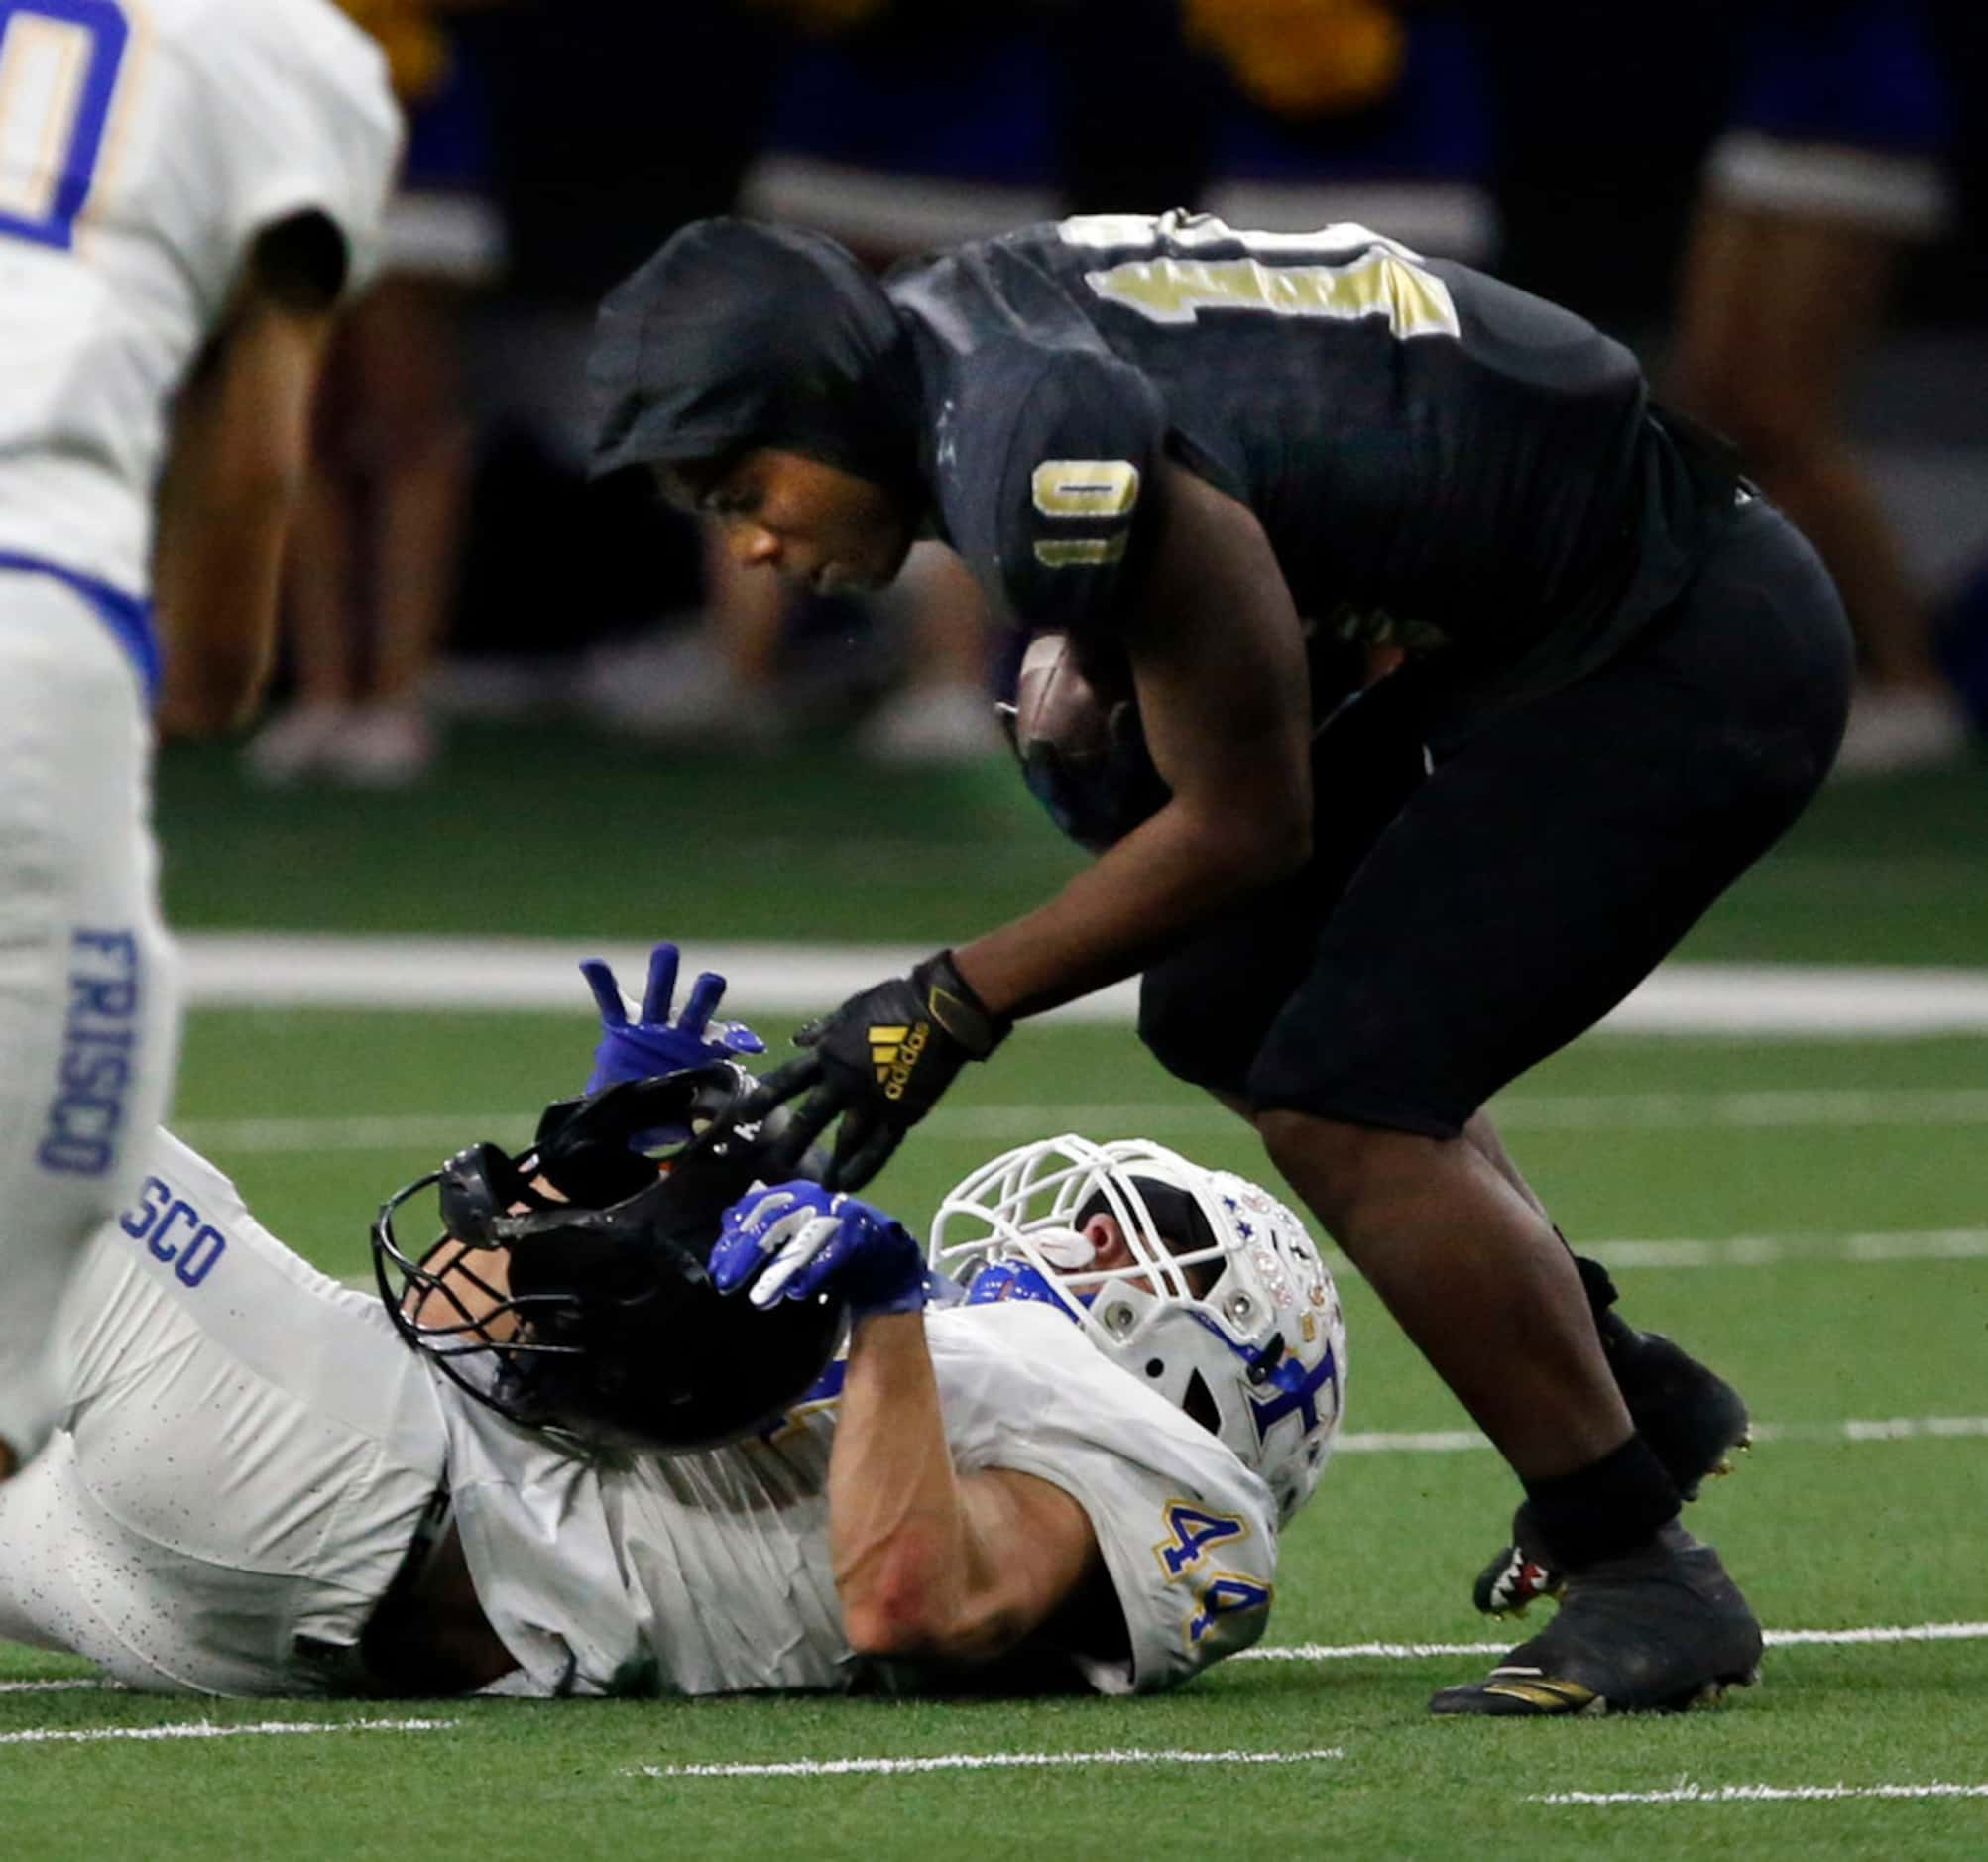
[[1208, 456]]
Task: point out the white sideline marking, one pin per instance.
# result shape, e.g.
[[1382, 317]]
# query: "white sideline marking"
[[70, 1685], [275, 970], [207, 1729], [1879, 1429], [1759, 1794], [1876, 1634], [980, 1761]]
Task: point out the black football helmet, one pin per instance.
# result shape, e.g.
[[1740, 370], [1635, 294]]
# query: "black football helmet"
[[594, 1316]]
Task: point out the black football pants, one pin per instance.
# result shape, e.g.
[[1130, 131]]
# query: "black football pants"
[[1451, 932]]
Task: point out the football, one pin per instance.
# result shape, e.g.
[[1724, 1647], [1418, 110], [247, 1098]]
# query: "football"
[[1057, 704], [1075, 727]]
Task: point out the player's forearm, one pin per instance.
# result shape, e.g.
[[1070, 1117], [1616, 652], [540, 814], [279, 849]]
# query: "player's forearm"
[[1218, 665], [1139, 899], [241, 447], [896, 1526], [215, 586]]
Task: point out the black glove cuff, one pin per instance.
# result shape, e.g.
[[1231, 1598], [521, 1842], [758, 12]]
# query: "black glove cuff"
[[950, 1000]]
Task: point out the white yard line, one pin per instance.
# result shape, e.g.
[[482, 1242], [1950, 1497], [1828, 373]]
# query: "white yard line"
[[1865, 1246], [1769, 1251], [1853, 1429], [1758, 1793], [1365, 1650], [276, 970], [441, 1132], [1792, 1108], [1161, 1118], [69, 1685], [209, 1730], [1873, 1635], [980, 1761]]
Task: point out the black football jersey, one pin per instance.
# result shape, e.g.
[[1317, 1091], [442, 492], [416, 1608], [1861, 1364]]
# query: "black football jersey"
[[1441, 462]]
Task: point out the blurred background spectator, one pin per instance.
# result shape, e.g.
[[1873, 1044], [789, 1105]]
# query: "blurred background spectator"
[[378, 539], [1832, 168], [1777, 203]]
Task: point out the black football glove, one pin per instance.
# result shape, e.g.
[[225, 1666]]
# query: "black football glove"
[[878, 1063]]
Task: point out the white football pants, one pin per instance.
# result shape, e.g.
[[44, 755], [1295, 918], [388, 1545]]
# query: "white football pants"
[[89, 981], [245, 1452]]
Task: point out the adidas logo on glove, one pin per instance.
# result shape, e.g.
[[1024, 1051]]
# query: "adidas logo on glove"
[[893, 1051]]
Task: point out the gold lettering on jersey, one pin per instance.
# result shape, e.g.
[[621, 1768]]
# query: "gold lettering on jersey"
[[1079, 551], [1085, 488], [1379, 283]]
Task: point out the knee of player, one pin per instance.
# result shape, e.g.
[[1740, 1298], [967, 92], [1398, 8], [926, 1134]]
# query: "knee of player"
[[1339, 1168]]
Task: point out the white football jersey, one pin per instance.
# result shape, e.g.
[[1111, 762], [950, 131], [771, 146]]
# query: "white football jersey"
[[144, 145], [703, 1573]]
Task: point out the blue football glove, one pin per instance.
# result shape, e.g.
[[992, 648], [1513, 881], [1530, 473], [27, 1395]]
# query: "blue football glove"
[[655, 1044], [797, 1240]]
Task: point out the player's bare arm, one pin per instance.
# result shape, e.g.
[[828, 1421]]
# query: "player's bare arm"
[[1218, 665], [239, 449], [930, 1563]]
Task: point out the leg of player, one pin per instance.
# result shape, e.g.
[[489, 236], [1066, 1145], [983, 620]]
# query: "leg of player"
[[1691, 1417], [1579, 838], [1462, 1260], [1685, 1411], [88, 981], [1399, 1204]]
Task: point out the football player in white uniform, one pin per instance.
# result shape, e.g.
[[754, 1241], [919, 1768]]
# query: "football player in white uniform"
[[596, 1472], [186, 189], [622, 1456]]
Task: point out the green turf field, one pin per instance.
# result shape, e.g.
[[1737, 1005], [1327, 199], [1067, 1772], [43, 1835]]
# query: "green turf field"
[[1809, 1215], [558, 832]]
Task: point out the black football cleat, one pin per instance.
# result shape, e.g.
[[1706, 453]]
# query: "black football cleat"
[[1692, 1420], [1691, 1417], [1522, 1573], [1656, 1631]]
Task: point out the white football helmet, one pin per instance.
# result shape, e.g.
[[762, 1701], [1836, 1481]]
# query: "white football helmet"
[[1224, 1306]]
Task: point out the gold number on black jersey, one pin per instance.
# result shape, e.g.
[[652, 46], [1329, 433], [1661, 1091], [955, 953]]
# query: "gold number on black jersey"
[[1352, 272], [1083, 489]]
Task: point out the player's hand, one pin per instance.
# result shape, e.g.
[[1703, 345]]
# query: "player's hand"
[[798, 1239], [878, 1063], [656, 1043]]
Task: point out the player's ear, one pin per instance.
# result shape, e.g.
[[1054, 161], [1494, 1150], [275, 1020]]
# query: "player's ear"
[[1108, 1236]]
